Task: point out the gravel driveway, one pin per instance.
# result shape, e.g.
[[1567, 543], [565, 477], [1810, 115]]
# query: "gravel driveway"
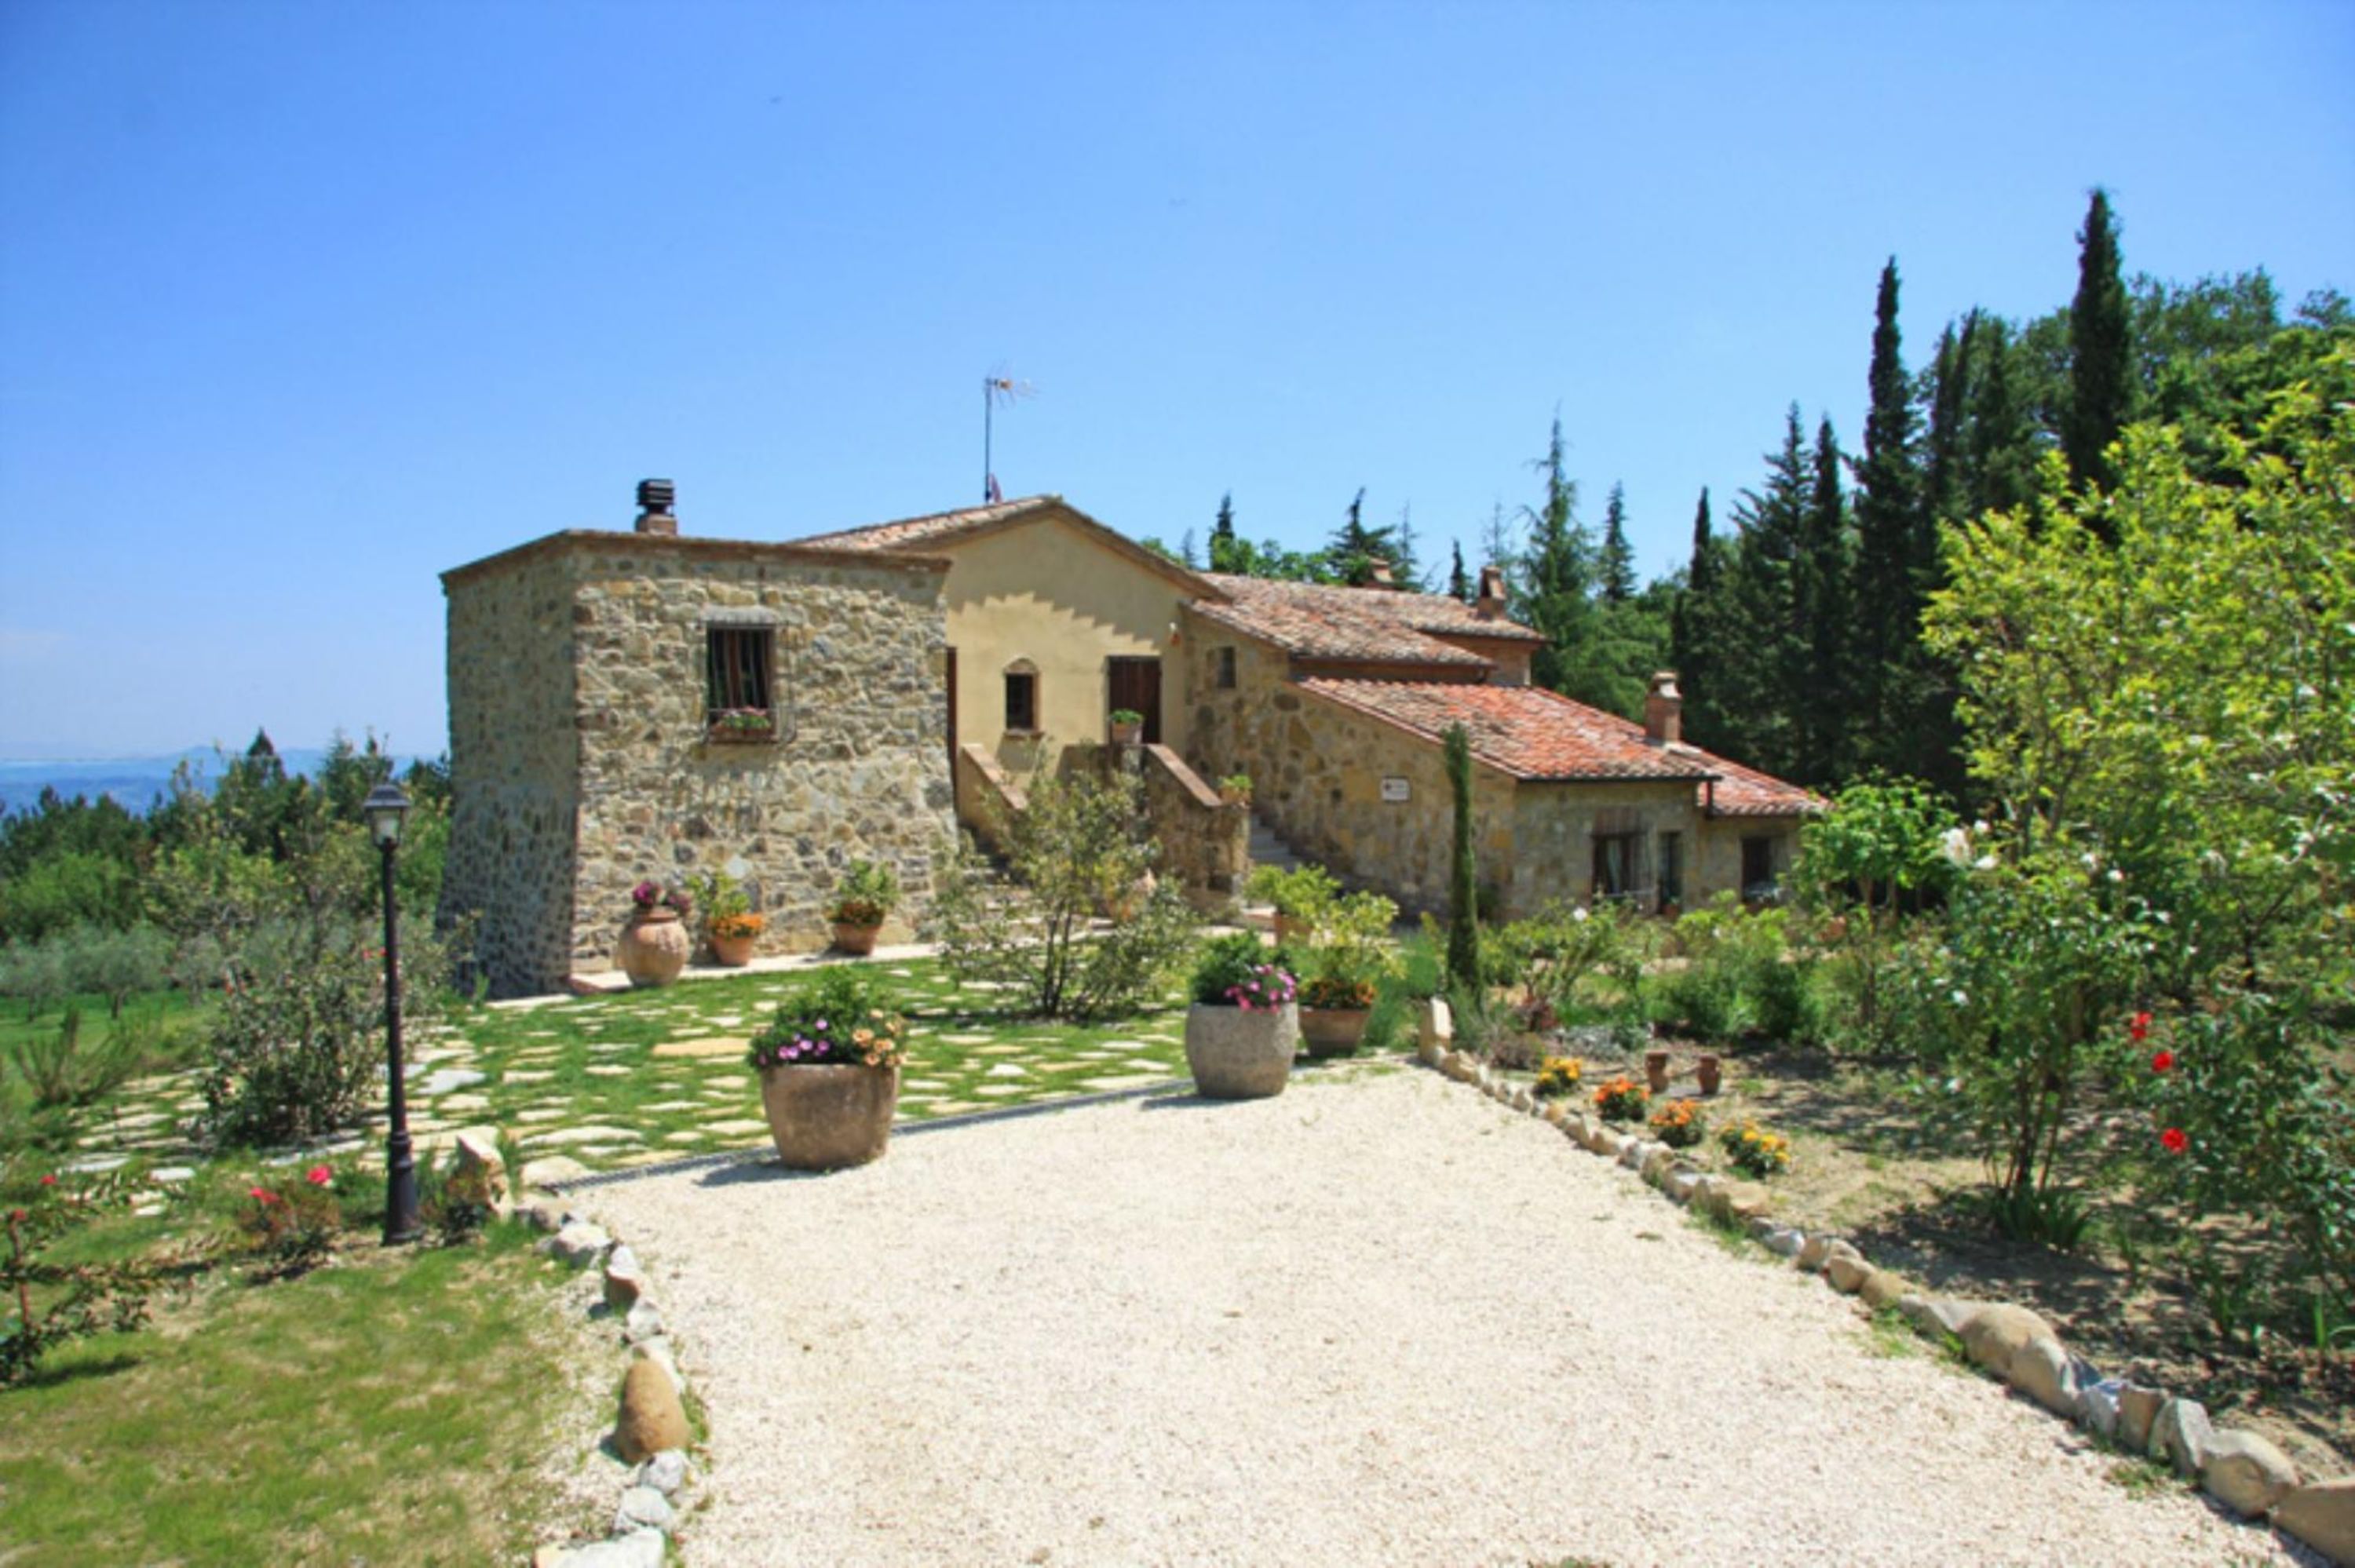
[[1375, 1320]]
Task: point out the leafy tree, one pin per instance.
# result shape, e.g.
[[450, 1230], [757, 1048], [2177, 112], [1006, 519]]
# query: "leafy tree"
[[1884, 841], [2100, 349]]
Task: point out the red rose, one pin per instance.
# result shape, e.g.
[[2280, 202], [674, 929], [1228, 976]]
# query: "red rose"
[[2163, 1061], [2139, 1027], [49, 1180], [2174, 1141], [318, 1176], [261, 1195]]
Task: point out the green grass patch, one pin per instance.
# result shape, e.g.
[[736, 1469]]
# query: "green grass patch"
[[395, 1407]]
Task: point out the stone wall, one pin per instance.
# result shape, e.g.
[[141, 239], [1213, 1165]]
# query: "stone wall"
[[1206, 844], [579, 764], [514, 757], [860, 768]]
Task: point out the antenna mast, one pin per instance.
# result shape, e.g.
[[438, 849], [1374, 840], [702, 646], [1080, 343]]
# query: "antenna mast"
[[995, 387]]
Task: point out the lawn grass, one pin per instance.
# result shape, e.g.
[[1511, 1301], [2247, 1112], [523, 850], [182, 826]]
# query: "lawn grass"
[[396, 1406]]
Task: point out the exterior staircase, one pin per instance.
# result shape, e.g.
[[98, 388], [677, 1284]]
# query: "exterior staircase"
[[1267, 848]]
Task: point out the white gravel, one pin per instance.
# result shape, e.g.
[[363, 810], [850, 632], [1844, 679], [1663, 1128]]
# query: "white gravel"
[[1374, 1321]]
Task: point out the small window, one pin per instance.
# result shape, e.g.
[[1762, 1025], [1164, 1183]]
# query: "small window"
[[737, 665], [1226, 678], [1022, 701], [1672, 869], [1616, 857]]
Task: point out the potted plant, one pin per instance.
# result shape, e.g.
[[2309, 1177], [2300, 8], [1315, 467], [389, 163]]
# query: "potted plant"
[[729, 925], [1127, 725], [739, 726], [655, 944], [1300, 896], [863, 899], [1345, 969], [1234, 790], [829, 1066], [1621, 1099], [1244, 1026]]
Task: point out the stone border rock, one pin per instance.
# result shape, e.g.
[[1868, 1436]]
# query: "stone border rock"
[[650, 1431], [2242, 1471]]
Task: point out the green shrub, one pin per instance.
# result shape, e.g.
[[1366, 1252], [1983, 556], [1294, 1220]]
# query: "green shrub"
[[1786, 1001], [1703, 1001], [456, 1204], [1304, 892], [64, 1069], [35, 973], [1351, 956], [65, 889], [75, 1300]]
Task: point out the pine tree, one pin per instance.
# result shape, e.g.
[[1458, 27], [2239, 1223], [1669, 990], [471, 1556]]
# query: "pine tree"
[[1406, 565], [1185, 555], [1355, 547], [1463, 910], [1887, 604], [1765, 669], [1618, 564], [2100, 349], [1225, 548], [2001, 465], [1557, 569], [1459, 586]]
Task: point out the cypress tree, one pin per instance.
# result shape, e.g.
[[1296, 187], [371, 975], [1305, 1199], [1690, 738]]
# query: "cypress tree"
[[2001, 457], [1618, 564], [1943, 448], [1463, 912], [1887, 604], [1763, 669], [1224, 550], [2100, 348], [1459, 586], [1694, 623], [1819, 593]]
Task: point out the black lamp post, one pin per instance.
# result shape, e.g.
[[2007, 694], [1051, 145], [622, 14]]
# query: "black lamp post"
[[386, 807]]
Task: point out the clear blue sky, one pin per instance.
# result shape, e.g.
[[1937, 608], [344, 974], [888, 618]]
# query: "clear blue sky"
[[302, 303]]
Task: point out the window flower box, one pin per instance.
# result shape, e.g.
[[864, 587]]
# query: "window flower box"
[[740, 726]]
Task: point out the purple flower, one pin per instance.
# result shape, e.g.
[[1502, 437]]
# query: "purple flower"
[[821, 1023]]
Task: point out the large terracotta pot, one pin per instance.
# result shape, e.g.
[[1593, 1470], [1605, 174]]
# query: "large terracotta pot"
[[1656, 1071], [856, 940], [1711, 1072], [653, 948], [1333, 1031], [732, 952], [829, 1117], [1238, 1055]]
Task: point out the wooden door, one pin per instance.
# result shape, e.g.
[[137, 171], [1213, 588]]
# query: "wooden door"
[[1136, 684]]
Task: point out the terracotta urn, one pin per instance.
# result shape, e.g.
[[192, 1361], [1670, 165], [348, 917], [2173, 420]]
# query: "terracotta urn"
[[654, 946], [1656, 1071], [830, 1117], [1333, 1031], [857, 940], [1239, 1055], [1710, 1070]]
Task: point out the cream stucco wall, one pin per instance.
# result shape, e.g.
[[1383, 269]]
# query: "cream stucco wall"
[[1048, 592]]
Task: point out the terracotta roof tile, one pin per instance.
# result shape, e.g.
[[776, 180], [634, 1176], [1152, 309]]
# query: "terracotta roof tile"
[[1534, 734], [910, 532], [1376, 625]]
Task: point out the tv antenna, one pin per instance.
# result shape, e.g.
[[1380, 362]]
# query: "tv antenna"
[[996, 387]]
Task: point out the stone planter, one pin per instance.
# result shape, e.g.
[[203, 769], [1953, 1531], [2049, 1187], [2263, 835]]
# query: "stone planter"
[[732, 952], [1656, 1071], [653, 948], [1238, 1055], [829, 1117], [857, 940], [1711, 1072], [1333, 1031]]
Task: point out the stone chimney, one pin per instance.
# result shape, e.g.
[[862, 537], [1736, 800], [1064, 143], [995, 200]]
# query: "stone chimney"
[[1378, 574], [655, 499], [1490, 604], [1664, 710]]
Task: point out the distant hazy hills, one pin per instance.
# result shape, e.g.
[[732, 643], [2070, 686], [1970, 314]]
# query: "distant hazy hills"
[[135, 781]]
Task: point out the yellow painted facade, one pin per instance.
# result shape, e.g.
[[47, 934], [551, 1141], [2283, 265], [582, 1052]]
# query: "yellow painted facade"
[[1050, 599]]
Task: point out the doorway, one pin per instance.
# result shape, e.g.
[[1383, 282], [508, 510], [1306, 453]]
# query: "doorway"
[[1135, 685]]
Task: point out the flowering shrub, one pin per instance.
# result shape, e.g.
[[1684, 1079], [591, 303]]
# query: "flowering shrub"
[[76, 1300], [1621, 1099], [1754, 1151], [728, 928], [1351, 956], [650, 895], [869, 891], [847, 1019], [1680, 1124], [1337, 992], [1236, 972], [292, 1224], [1559, 1076]]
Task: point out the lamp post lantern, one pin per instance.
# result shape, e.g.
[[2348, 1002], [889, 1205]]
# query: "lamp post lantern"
[[385, 808]]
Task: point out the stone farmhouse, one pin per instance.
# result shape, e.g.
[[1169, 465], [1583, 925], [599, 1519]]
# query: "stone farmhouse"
[[650, 704]]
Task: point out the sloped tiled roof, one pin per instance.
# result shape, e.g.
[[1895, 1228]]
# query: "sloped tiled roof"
[[1534, 734], [909, 533], [1370, 625]]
